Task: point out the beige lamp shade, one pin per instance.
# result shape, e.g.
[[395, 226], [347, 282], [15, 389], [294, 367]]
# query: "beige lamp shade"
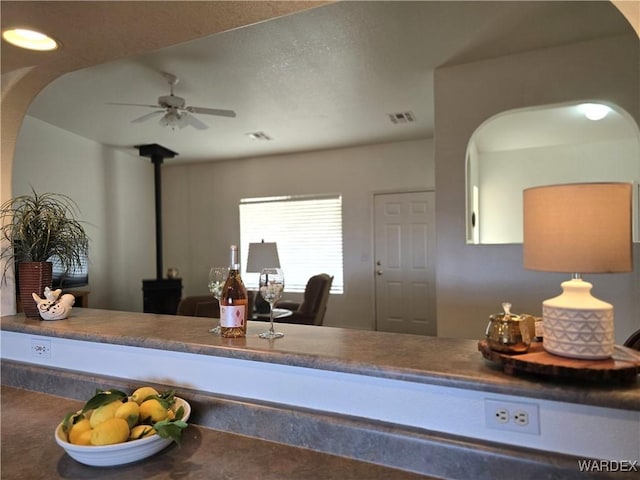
[[262, 255], [578, 228]]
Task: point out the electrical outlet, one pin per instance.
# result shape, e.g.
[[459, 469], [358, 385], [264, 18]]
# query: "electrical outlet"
[[40, 348], [512, 416], [521, 417], [501, 415]]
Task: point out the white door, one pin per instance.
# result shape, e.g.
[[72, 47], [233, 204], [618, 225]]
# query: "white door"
[[404, 262]]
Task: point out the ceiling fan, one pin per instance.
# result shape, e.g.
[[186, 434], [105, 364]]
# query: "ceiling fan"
[[174, 111]]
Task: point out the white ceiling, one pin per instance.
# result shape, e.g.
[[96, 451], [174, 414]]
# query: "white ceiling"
[[323, 78]]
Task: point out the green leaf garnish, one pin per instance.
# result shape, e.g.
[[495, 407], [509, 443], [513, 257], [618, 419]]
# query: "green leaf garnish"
[[166, 399], [103, 397], [170, 429], [179, 413], [70, 420]]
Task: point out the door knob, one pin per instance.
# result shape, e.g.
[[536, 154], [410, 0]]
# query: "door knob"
[[379, 272]]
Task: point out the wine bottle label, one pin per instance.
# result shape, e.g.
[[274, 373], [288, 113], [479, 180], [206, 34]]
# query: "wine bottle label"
[[232, 315]]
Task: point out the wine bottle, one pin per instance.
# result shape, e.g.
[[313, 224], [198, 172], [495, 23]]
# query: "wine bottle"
[[234, 301]]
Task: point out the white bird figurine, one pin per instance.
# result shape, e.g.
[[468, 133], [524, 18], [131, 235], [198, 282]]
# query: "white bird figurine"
[[51, 295], [54, 306]]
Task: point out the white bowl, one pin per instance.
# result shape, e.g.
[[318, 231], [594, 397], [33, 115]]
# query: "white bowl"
[[120, 453]]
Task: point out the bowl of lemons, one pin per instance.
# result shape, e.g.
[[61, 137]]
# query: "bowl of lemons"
[[114, 428]]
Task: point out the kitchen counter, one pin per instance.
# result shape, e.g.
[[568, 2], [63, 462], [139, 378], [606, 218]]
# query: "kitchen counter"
[[29, 452], [428, 360]]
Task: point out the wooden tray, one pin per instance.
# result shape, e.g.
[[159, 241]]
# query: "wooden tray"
[[623, 367]]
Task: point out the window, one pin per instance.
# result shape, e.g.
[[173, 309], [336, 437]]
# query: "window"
[[308, 231]]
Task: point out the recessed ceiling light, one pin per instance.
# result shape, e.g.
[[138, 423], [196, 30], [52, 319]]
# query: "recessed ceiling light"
[[29, 39], [594, 111]]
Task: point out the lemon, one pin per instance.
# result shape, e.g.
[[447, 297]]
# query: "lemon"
[[130, 411], [111, 431], [84, 438], [171, 415], [77, 429], [141, 394], [152, 410], [104, 412], [141, 431]]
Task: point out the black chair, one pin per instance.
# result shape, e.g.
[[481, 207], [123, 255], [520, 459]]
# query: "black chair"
[[314, 304], [633, 341], [199, 306], [205, 306]]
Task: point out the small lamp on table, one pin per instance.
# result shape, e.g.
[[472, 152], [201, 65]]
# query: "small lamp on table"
[[262, 255], [578, 228]]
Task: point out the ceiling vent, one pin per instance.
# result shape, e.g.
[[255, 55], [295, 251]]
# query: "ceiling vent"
[[402, 117], [259, 136]]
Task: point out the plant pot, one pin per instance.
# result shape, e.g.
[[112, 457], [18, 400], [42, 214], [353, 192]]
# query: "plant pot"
[[33, 277]]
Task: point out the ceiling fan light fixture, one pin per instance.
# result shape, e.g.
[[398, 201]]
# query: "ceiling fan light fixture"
[[173, 119], [30, 39], [182, 121], [174, 111]]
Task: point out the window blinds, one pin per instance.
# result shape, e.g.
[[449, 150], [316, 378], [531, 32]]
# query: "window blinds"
[[307, 230]]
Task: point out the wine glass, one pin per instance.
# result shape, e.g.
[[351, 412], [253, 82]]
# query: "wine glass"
[[271, 288], [217, 277]]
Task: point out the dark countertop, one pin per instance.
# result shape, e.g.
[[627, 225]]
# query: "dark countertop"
[[430, 360], [29, 452]]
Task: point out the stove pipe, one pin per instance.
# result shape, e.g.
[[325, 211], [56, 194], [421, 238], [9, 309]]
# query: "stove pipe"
[[157, 153]]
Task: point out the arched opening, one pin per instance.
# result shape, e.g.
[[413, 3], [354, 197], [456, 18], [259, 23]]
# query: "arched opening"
[[547, 145]]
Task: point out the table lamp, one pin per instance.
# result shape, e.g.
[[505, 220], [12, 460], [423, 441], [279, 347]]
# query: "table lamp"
[[262, 255], [578, 228]]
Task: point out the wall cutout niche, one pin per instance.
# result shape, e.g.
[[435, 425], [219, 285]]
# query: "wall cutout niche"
[[546, 145]]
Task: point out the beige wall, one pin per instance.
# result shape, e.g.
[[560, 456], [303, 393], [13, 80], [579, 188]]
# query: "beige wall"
[[473, 280], [506, 173], [201, 209], [114, 193]]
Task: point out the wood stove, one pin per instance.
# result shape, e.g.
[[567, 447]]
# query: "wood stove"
[[160, 295]]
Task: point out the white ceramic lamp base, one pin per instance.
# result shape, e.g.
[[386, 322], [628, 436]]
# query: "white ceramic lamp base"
[[578, 325]]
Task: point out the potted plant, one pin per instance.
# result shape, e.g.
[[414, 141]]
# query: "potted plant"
[[35, 229]]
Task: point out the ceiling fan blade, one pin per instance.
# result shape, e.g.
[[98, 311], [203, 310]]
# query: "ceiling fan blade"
[[194, 122], [211, 111], [133, 104], [147, 116], [182, 121]]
